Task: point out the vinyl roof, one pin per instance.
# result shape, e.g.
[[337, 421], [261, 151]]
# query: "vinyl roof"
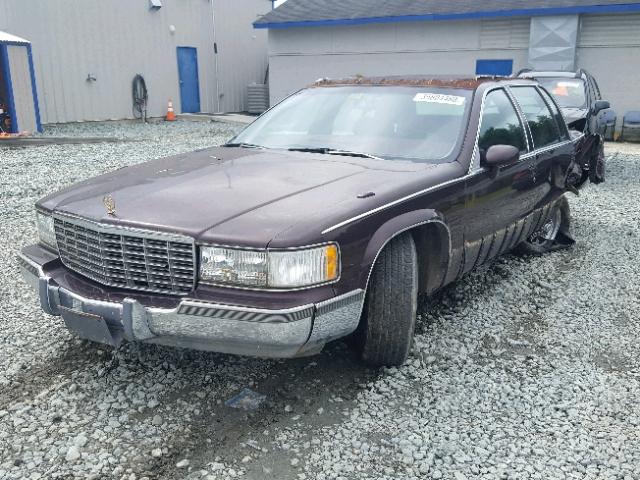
[[8, 38], [450, 81], [309, 13], [405, 80]]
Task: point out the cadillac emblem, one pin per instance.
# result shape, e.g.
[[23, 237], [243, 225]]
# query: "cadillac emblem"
[[110, 204]]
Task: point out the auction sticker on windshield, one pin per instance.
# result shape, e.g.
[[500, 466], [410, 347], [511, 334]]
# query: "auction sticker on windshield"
[[439, 98]]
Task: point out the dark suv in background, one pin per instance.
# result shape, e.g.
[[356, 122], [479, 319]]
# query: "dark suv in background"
[[578, 95]]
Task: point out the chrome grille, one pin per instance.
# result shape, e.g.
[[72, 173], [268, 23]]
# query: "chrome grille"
[[127, 258]]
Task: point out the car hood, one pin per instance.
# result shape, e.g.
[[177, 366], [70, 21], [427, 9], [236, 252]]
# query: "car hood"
[[198, 193]]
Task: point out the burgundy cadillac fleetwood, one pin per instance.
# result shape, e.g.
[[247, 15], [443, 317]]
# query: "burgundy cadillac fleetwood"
[[322, 219]]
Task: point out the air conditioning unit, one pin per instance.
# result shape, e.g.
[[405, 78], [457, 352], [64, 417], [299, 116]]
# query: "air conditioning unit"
[[257, 97]]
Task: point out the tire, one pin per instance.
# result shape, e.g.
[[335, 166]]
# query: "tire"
[[597, 167], [544, 239], [388, 321]]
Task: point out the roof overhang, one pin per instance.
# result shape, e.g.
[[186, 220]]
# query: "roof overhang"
[[12, 39], [519, 12]]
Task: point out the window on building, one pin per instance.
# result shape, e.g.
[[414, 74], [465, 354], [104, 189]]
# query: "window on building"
[[500, 123]]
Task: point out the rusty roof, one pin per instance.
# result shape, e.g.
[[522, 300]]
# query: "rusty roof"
[[417, 81]]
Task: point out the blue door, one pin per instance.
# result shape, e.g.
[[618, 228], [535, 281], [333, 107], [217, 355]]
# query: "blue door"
[[188, 75]]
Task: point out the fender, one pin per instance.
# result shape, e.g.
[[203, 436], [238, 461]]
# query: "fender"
[[400, 224]]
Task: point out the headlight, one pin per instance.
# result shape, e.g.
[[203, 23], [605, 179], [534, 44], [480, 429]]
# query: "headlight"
[[270, 269], [46, 230], [236, 267]]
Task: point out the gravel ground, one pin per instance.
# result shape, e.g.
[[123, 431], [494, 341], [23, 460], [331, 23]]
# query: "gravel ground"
[[528, 368]]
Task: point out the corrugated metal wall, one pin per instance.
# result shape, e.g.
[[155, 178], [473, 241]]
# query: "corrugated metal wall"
[[609, 48], [607, 45], [113, 40], [609, 30], [298, 56], [242, 52], [505, 33]]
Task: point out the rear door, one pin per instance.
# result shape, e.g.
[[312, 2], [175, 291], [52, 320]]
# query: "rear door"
[[566, 160], [551, 146]]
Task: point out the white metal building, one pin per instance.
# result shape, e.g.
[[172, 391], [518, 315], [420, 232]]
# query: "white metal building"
[[202, 54], [339, 38]]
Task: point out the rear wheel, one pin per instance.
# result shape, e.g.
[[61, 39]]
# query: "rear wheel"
[[597, 165], [544, 239], [388, 320]]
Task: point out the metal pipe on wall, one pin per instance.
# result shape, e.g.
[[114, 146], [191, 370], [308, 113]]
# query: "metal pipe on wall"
[[215, 55]]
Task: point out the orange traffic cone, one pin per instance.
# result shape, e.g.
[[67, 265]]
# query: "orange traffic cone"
[[171, 116]]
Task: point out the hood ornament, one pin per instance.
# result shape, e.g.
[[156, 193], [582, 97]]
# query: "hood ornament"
[[110, 204]]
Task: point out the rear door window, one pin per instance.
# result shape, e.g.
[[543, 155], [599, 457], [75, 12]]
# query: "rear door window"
[[562, 126], [500, 124], [542, 123]]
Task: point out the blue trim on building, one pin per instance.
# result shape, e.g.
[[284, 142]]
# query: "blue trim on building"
[[20, 44], [494, 67], [6, 73], [520, 12], [34, 89]]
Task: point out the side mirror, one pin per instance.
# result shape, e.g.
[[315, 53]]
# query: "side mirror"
[[601, 105], [499, 155]]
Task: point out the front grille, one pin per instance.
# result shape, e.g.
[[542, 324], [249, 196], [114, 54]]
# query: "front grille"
[[127, 258]]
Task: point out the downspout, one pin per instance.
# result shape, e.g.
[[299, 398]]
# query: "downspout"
[[215, 56]]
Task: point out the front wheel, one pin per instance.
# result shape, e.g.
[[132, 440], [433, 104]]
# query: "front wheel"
[[388, 321]]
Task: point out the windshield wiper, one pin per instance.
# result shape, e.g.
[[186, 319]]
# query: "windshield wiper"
[[242, 145], [333, 151]]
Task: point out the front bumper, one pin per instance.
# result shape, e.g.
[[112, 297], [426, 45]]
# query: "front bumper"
[[197, 324]]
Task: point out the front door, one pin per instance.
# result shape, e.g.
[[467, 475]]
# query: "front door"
[[188, 76], [497, 199]]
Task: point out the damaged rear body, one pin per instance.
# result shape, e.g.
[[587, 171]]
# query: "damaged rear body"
[[580, 101]]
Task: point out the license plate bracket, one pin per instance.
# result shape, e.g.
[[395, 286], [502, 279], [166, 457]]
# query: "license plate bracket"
[[88, 326]]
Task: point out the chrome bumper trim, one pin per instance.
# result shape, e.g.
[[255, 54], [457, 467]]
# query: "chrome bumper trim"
[[207, 326], [337, 317], [244, 314]]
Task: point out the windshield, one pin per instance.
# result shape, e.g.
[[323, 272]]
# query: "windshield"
[[391, 122], [568, 92]]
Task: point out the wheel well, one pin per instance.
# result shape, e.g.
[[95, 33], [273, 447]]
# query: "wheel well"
[[433, 247]]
